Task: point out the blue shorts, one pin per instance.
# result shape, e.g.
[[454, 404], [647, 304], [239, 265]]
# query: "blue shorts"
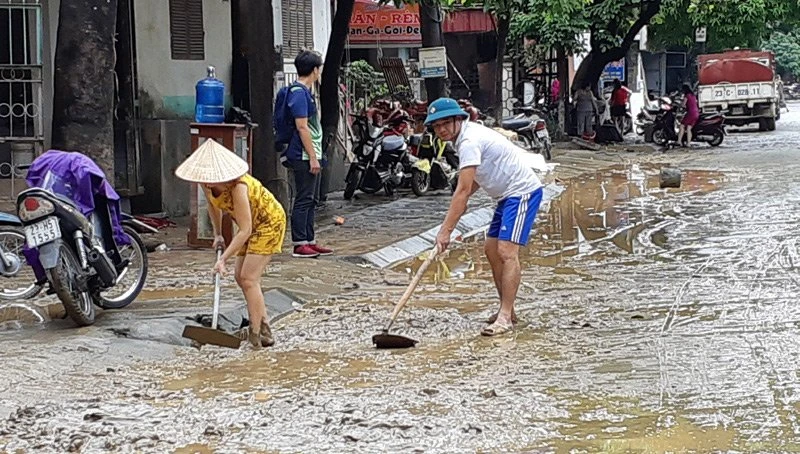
[[514, 216]]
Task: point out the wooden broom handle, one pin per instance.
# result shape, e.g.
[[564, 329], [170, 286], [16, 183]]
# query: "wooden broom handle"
[[413, 285]]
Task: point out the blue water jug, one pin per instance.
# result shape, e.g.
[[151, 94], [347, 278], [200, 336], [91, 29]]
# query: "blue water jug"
[[210, 99]]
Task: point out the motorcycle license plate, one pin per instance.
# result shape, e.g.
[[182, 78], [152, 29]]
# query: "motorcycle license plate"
[[42, 232], [541, 133]]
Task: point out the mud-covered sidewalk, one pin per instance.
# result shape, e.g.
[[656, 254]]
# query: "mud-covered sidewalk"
[[652, 320]]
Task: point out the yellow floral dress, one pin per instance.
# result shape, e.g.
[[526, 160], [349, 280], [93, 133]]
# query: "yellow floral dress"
[[268, 217]]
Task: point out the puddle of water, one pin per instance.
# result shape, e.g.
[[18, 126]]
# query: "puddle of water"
[[597, 217]]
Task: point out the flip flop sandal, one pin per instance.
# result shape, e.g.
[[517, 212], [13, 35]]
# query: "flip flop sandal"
[[493, 318], [496, 329]]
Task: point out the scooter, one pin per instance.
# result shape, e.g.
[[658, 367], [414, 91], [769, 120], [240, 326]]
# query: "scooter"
[[380, 160], [531, 129], [75, 237], [710, 128], [434, 164]]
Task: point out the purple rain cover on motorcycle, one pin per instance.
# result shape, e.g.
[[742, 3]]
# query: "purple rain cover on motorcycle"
[[88, 180]]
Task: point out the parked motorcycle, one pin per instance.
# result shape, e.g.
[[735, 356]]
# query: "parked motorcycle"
[[381, 160], [531, 129], [75, 237], [710, 128], [434, 164]]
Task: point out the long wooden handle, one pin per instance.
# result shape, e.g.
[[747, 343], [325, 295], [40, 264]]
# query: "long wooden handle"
[[413, 285]]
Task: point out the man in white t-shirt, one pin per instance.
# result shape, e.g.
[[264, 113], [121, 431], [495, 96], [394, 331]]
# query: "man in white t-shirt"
[[490, 161]]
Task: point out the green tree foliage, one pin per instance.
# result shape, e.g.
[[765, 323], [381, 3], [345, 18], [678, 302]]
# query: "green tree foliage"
[[786, 47], [612, 26], [730, 23]]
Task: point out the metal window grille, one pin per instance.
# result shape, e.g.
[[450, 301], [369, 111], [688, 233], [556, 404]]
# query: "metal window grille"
[[187, 36], [21, 71]]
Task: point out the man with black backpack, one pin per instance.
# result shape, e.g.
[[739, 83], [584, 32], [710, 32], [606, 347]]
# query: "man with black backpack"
[[298, 135]]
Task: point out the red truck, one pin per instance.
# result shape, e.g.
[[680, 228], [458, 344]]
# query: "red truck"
[[743, 84]]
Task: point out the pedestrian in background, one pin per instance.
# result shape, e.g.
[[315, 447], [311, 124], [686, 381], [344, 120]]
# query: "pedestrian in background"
[[586, 110], [619, 105], [303, 155], [691, 116]]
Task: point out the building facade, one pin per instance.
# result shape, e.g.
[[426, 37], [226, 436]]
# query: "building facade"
[[163, 48]]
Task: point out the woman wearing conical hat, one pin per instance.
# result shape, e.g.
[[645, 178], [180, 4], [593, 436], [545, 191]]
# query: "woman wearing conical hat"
[[259, 217]]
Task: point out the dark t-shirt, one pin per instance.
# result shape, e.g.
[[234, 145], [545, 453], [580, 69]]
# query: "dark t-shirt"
[[301, 104]]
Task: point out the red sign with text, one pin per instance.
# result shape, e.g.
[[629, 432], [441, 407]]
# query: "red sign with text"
[[373, 23]]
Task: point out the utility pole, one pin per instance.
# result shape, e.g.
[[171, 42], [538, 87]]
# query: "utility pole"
[[562, 68], [258, 38], [431, 17]]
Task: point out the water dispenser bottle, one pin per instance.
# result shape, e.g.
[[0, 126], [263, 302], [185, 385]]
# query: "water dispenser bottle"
[[210, 99]]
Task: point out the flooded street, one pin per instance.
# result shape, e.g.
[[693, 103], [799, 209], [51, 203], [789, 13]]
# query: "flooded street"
[[651, 320]]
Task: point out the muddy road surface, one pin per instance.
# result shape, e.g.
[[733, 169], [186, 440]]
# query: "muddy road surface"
[[651, 320]]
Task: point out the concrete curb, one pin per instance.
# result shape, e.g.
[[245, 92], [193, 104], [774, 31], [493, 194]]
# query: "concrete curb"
[[473, 223]]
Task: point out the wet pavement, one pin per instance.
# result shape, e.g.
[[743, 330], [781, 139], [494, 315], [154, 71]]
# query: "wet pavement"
[[651, 320]]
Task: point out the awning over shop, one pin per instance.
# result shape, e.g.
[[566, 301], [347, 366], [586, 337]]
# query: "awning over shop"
[[375, 24]]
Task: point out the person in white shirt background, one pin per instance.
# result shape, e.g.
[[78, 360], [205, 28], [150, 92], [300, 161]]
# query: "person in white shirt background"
[[490, 161]]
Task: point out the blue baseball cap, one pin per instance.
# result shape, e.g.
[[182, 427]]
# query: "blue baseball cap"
[[444, 108]]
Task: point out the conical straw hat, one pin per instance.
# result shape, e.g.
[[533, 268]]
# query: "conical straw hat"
[[212, 163]]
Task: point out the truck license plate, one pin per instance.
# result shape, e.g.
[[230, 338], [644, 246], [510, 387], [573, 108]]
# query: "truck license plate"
[[42, 232]]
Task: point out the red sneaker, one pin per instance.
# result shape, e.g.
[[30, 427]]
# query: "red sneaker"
[[305, 251], [321, 250]]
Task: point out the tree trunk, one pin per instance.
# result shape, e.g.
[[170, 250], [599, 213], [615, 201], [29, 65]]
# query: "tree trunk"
[[83, 81], [430, 22], [503, 25], [259, 44], [591, 68], [329, 89]]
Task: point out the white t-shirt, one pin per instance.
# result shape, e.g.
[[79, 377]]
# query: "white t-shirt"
[[500, 169]]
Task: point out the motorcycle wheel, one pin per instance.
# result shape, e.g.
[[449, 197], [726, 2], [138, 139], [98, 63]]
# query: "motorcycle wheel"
[[352, 184], [628, 125], [420, 181], [717, 139], [133, 253], [660, 138], [547, 151], [79, 305], [527, 143], [19, 283], [388, 189]]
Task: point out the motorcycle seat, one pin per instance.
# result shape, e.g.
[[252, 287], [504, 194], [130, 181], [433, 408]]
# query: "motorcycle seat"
[[392, 143], [515, 124]]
